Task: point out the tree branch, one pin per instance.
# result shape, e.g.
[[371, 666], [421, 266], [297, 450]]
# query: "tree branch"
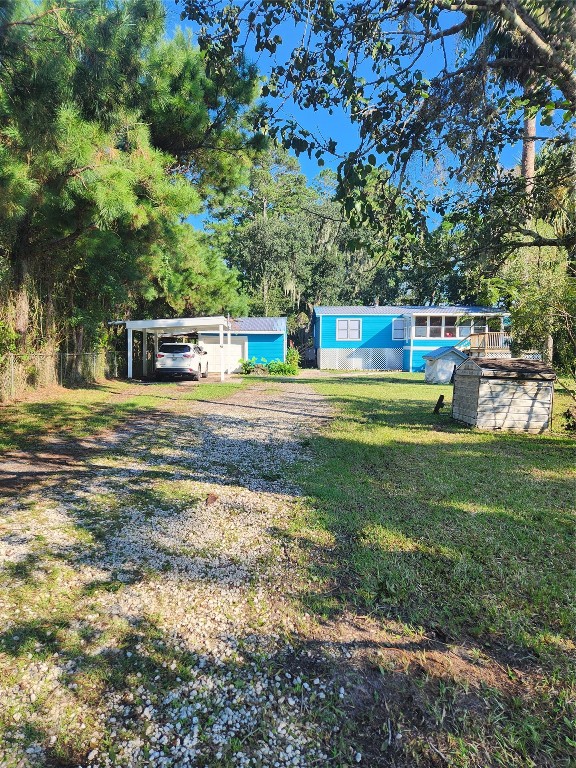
[[521, 21]]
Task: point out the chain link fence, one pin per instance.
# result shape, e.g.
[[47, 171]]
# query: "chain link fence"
[[35, 370]]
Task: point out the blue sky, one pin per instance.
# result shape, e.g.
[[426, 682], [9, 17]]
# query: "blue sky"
[[336, 126]]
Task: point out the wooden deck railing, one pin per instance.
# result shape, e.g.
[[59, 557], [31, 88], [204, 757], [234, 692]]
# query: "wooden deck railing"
[[491, 340]]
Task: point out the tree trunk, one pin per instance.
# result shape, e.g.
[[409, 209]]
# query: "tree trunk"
[[21, 278], [22, 313], [549, 351], [528, 170], [78, 339], [528, 167]]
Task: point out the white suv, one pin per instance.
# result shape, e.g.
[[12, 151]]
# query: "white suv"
[[181, 359]]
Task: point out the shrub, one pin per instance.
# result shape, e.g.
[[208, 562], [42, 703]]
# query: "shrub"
[[32, 374], [293, 358], [248, 365], [276, 368], [253, 366], [282, 369], [8, 338]]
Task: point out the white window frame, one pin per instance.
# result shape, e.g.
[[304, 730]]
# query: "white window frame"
[[340, 337], [471, 320], [440, 326], [396, 330], [465, 321], [427, 334], [451, 325]]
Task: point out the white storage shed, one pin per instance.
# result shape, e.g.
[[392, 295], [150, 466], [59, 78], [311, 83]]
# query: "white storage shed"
[[514, 394], [440, 364]]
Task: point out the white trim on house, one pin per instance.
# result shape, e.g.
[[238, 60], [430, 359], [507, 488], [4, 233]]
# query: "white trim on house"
[[441, 311], [438, 322]]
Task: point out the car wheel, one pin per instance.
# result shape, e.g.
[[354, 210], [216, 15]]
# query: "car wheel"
[[195, 375], [205, 374], [159, 376]]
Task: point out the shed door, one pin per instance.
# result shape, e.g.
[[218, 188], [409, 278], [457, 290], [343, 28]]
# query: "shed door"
[[238, 350]]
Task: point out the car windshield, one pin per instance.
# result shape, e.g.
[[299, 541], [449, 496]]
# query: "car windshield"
[[175, 348]]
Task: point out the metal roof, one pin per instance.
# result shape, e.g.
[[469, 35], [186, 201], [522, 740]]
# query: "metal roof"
[[409, 310], [259, 324], [177, 325], [183, 325], [436, 353]]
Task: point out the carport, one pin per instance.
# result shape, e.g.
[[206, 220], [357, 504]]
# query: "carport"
[[176, 327]]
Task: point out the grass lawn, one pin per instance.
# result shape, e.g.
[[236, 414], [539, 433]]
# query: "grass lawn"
[[414, 607], [458, 536], [85, 411]]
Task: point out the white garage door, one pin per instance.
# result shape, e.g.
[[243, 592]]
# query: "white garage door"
[[238, 350]]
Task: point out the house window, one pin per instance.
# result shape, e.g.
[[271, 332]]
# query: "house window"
[[420, 326], [348, 330], [480, 325], [442, 327], [435, 327], [464, 329], [398, 328], [450, 327]]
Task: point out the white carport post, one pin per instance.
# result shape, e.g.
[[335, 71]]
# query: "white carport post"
[[130, 353], [228, 350], [144, 353], [221, 337]]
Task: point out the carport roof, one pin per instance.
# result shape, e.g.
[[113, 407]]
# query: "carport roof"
[[176, 325]]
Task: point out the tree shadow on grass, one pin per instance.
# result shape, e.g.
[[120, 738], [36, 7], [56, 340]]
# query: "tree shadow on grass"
[[36, 425], [438, 549], [390, 701], [444, 526], [424, 527]]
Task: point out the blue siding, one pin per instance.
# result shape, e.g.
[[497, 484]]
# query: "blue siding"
[[376, 332], [270, 346], [406, 359], [431, 344], [421, 347], [316, 326], [418, 362]]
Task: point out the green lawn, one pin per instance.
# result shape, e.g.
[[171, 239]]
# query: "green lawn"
[[85, 411], [460, 535], [434, 566]]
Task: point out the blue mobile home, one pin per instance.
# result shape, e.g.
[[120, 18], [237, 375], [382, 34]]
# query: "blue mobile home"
[[394, 338]]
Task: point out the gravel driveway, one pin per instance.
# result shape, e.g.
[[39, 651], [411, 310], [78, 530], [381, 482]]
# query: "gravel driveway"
[[155, 615]]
